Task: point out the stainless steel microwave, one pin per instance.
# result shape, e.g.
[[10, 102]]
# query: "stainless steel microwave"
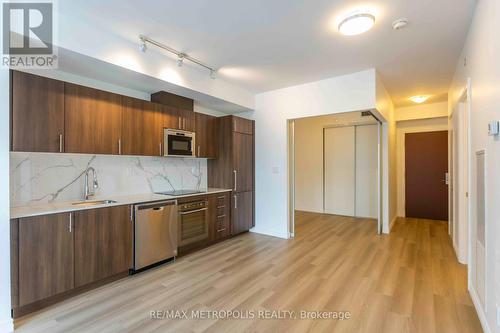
[[178, 143]]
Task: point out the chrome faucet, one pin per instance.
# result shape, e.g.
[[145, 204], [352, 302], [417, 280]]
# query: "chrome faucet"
[[95, 184]]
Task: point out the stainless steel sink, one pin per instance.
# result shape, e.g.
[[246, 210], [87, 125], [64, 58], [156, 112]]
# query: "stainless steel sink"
[[93, 203]]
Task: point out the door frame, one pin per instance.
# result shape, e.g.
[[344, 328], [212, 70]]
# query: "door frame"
[[291, 177], [462, 206]]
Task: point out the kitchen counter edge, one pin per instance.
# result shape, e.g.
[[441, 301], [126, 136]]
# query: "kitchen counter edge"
[[66, 207]]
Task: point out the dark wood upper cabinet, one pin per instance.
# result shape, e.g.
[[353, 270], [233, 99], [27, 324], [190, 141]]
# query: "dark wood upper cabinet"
[[46, 248], [206, 140], [234, 166], [103, 243], [93, 120], [242, 212], [242, 125], [142, 126], [181, 110], [37, 113]]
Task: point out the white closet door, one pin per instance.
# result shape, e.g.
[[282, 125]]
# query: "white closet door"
[[339, 170], [366, 171]]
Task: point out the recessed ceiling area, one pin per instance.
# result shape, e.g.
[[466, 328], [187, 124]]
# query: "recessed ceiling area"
[[264, 45]]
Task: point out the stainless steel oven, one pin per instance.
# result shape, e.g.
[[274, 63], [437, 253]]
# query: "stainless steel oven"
[[193, 222], [178, 143]]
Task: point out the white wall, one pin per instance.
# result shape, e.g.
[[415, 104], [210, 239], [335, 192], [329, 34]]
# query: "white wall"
[[482, 51], [411, 126], [272, 110], [5, 305], [421, 111]]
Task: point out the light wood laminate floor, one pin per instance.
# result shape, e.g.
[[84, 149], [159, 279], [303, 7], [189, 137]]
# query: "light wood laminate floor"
[[409, 281]]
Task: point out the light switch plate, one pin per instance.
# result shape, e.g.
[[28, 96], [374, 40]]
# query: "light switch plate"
[[493, 127]]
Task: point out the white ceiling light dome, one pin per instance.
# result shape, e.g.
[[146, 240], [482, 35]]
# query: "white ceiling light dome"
[[356, 23]]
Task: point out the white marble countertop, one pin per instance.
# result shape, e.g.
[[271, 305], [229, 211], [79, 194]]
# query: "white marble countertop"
[[61, 207]]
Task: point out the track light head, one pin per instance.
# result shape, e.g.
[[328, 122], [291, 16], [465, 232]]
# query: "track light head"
[[180, 59], [143, 47], [213, 74]]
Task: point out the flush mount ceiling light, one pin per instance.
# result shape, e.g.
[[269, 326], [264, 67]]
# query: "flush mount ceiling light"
[[419, 99], [356, 23], [180, 55]]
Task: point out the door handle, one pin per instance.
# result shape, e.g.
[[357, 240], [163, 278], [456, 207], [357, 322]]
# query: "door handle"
[[235, 180], [160, 148], [60, 143], [119, 146], [70, 222], [235, 202]]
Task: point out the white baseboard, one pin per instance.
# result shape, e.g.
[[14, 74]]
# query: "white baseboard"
[[7, 326], [479, 309], [268, 232]]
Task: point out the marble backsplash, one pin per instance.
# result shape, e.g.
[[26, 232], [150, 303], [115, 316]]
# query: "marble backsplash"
[[38, 178]]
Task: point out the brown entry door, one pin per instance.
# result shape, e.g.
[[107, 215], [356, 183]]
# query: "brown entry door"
[[426, 163]]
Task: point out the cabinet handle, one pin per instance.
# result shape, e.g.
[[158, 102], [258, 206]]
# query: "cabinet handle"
[[223, 206], [221, 216], [70, 221], [184, 123], [220, 230], [160, 148], [180, 124], [235, 202], [119, 146], [199, 155], [235, 174], [60, 143], [221, 197]]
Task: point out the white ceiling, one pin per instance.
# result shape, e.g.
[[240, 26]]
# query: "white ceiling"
[[263, 45]]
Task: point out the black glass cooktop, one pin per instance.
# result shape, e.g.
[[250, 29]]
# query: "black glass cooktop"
[[179, 192]]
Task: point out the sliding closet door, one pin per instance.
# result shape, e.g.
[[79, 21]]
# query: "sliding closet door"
[[339, 170], [366, 171]]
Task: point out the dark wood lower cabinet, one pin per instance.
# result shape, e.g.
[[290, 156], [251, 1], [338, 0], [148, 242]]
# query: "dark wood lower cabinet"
[[56, 256], [45, 257], [242, 215], [103, 243]]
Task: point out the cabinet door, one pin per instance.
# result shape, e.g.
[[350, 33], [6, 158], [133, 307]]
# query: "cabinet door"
[[141, 128], [103, 243], [242, 162], [187, 119], [242, 125], [45, 257], [37, 113], [205, 136], [242, 215], [170, 116], [93, 120]]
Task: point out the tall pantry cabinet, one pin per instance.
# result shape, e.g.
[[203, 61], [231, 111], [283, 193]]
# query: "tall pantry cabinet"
[[235, 168]]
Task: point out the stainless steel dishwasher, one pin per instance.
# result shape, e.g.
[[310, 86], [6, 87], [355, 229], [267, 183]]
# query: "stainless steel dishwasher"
[[155, 233]]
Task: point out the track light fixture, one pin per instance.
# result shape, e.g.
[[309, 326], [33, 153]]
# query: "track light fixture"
[[180, 55], [180, 59], [143, 47]]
